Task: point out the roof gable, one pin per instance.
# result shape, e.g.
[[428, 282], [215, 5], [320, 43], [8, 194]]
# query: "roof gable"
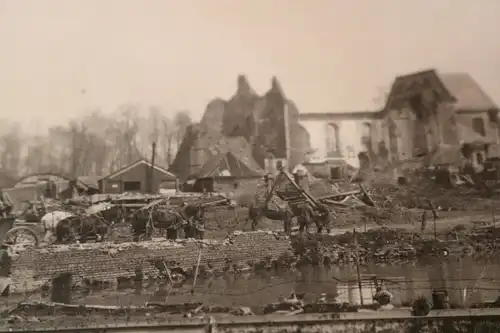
[[233, 154], [226, 161], [460, 88], [467, 92], [136, 164], [405, 86]]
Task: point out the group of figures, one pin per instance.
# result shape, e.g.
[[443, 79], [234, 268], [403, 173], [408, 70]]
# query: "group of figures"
[[97, 222], [102, 219]]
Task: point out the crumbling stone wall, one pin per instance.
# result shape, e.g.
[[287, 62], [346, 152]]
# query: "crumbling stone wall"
[[105, 262]]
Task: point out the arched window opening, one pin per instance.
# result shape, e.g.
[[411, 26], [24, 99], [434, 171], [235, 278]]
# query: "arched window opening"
[[366, 136], [332, 140]]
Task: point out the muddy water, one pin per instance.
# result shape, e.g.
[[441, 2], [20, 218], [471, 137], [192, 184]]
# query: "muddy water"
[[462, 277]]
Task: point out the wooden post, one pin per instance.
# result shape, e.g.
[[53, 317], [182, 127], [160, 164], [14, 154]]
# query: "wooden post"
[[196, 269], [358, 270], [152, 169]]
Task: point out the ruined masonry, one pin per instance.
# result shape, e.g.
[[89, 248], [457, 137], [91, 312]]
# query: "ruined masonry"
[[105, 262]]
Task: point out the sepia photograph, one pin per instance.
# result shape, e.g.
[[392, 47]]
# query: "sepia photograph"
[[250, 166]]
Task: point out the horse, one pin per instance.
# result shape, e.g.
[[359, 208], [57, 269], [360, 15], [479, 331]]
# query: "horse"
[[169, 219], [69, 227], [306, 215], [194, 215], [256, 213], [51, 220]]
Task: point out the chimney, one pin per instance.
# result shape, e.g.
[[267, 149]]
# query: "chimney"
[[243, 85], [276, 87]]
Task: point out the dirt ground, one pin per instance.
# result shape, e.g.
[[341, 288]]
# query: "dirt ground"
[[446, 221]]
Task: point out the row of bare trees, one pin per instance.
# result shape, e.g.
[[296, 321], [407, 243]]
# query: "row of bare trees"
[[93, 144]]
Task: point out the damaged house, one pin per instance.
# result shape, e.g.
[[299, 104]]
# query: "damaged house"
[[242, 138], [428, 118], [428, 110]]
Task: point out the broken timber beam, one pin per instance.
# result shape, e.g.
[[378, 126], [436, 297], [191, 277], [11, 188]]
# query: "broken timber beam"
[[307, 196]]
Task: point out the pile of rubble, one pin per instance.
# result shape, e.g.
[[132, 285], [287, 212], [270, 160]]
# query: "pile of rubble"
[[384, 244], [373, 245], [419, 193], [353, 205]]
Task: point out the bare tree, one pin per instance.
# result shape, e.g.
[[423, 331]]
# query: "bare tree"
[[124, 132], [35, 160], [95, 143], [11, 150]]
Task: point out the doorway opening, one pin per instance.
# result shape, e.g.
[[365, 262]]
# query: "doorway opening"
[[132, 186]]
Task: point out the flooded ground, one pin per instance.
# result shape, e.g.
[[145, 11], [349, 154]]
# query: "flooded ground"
[[463, 278]]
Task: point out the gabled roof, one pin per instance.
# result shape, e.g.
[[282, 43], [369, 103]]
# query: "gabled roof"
[[233, 154], [458, 87], [468, 93], [226, 162], [135, 164], [240, 148]]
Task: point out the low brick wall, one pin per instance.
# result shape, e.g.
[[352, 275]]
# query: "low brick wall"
[[105, 262]]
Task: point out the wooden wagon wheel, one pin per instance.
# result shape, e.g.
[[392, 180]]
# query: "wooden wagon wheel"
[[21, 235]]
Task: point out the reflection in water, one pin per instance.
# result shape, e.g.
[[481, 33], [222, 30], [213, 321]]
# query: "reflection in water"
[[348, 292], [406, 282]]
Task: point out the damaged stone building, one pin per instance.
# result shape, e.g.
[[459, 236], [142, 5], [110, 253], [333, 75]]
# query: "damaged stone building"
[[427, 113], [428, 110], [243, 137]]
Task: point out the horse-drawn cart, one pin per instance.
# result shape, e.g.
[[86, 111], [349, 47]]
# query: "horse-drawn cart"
[[174, 217], [306, 208], [12, 235]]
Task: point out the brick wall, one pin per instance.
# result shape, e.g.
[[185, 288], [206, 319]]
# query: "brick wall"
[[106, 262]]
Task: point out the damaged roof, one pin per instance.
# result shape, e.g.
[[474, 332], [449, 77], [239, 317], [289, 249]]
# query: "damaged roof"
[[226, 164], [458, 87], [233, 154], [468, 93]]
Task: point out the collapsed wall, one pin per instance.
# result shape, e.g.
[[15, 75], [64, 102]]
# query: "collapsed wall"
[[106, 262]]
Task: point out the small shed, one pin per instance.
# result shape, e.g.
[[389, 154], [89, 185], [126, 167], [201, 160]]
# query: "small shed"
[[135, 178]]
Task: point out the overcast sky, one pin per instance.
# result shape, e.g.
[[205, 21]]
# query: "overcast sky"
[[59, 57]]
